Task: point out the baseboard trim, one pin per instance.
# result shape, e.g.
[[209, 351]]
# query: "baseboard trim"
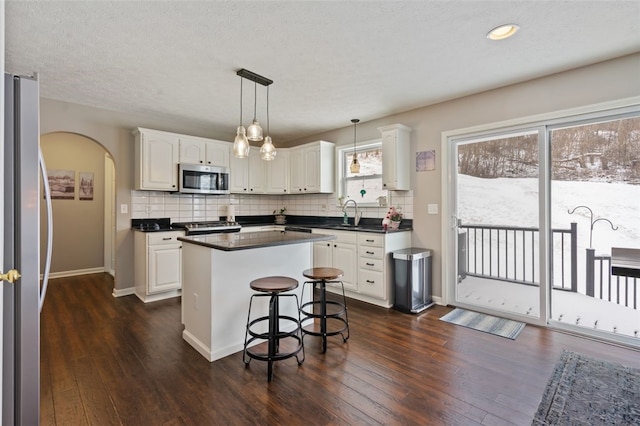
[[64, 274], [437, 300], [119, 292]]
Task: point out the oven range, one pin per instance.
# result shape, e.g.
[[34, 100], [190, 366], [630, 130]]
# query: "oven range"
[[209, 227]]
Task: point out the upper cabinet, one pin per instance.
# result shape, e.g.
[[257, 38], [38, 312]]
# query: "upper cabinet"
[[248, 175], [396, 165], [158, 153], [278, 173], [156, 160], [204, 151], [312, 168]]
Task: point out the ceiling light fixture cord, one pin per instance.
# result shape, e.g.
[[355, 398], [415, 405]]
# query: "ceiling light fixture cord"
[[241, 80], [355, 165], [255, 99]]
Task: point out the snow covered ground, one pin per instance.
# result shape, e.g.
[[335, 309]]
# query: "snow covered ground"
[[514, 202]]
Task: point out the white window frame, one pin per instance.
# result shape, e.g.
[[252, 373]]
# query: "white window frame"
[[341, 162]]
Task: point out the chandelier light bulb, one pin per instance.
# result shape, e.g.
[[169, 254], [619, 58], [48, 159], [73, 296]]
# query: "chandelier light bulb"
[[268, 151], [241, 144]]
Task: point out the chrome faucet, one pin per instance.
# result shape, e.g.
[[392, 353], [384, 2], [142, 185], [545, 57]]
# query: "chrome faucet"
[[356, 216]]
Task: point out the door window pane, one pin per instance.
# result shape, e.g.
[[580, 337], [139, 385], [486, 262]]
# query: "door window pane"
[[595, 189]]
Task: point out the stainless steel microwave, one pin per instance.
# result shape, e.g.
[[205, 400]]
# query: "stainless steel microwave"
[[199, 179]]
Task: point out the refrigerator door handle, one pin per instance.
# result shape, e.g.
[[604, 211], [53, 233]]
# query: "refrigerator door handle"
[[47, 261]]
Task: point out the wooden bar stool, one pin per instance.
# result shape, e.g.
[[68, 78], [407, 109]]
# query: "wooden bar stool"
[[273, 287], [336, 314]]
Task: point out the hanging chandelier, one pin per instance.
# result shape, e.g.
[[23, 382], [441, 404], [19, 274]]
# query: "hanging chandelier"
[[355, 165], [254, 131]]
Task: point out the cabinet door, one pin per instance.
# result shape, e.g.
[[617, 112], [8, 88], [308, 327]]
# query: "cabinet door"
[[389, 172], [217, 154], [311, 170], [257, 173], [345, 258], [165, 267], [192, 151], [322, 254], [159, 161], [278, 173], [238, 175], [296, 170], [395, 157]]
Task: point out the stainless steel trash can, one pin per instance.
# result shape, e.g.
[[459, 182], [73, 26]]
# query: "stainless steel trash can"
[[412, 284]]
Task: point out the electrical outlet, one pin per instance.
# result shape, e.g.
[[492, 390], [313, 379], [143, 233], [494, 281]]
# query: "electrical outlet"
[[124, 208]]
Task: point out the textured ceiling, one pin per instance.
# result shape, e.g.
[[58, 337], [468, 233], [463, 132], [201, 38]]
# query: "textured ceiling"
[[174, 62]]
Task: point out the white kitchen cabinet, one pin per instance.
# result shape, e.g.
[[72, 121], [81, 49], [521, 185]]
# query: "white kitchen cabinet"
[[248, 175], [313, 168], [156, 160], [278, 173], [192, 150], [209, 152], [158, 265], [396, 163], [340, 253], [366, 258], [375, 265]]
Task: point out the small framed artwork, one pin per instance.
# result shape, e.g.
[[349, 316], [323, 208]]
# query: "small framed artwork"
[[86, 186], [425, 161], [62, 184]]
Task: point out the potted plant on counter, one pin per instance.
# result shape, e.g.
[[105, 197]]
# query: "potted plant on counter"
[[395, 217], [280, 216]]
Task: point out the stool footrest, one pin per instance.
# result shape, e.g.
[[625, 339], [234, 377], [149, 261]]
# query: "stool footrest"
[[278, 356]]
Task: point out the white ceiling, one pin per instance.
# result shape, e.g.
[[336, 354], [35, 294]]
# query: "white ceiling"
[[175, 62]]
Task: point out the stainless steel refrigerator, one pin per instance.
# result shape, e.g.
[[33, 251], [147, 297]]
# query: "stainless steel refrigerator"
[[22, 298]]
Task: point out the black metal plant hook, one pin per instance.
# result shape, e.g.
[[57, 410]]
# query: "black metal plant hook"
[[615, 228]]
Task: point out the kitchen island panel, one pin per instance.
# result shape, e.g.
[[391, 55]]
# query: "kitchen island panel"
[[216, 292]]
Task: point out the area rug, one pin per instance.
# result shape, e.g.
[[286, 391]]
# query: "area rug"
[[587, 391], [489, 324]]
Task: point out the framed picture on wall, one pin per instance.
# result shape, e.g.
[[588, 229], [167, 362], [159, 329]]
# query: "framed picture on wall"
[[86, 186], [62, 184]]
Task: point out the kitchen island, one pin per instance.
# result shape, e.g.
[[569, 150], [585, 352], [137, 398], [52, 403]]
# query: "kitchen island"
[[216, 272]]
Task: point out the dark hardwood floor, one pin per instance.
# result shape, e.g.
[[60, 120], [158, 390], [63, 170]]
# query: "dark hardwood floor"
[[119, 361]]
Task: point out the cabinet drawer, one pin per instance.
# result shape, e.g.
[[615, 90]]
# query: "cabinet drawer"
[[371, 283], [373, 252], [369, 239], [370, 263], [163, 238]]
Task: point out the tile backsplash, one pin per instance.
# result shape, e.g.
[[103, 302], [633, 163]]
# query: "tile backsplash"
[[188, 207]]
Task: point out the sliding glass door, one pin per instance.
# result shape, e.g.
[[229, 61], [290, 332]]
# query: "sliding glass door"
[[496, 208], [534, 213], [595, 192]]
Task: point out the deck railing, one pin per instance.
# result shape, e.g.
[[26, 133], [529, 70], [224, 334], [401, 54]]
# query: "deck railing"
[[509, 253], [602, 285]]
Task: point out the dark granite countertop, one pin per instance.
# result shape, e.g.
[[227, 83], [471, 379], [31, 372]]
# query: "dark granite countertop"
[[249, 240], [322, 222]]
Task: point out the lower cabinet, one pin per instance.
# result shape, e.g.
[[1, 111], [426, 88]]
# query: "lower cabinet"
[[366, 260], [341, 253], [158, 265]]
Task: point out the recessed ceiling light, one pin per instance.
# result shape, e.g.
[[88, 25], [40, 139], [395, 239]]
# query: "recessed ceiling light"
[[502, 32]]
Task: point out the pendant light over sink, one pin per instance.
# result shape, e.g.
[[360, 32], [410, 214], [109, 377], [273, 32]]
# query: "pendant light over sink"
[[254, 131], [355, 165]]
